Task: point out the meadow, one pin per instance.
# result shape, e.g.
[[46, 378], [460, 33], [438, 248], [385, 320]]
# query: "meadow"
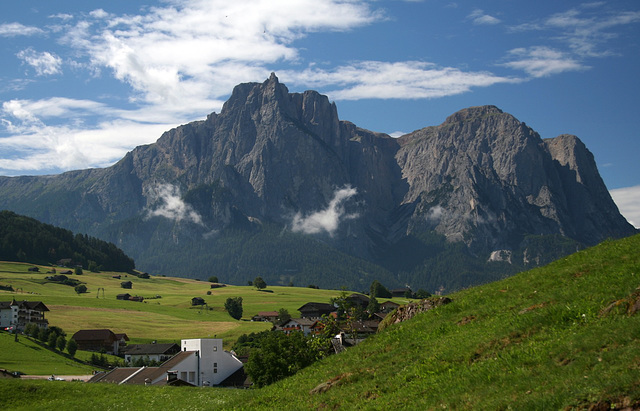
[[166, 315]]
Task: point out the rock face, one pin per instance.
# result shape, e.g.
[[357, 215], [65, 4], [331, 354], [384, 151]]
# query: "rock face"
[[278, 162]]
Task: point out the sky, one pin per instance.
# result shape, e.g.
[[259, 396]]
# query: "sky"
[[84, 82]]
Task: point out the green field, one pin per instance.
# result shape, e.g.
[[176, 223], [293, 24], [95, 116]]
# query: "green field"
[[564, 336], [166, 319]]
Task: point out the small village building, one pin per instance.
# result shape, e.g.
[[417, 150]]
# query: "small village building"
[[316, 310], [150, 352], [358, 300], [271, 316], [16, 315], [125, 296], [197, 301], [97, 340], [201, 363], [305, 325], [388, 306], [401, 292]]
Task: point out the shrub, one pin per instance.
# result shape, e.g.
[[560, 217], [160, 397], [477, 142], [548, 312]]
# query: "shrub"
[[72, 347], [233, 305]]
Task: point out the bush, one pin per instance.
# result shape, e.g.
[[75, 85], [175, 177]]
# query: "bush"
[[78, 271], [61, 342], [80, 289], [213, 279]]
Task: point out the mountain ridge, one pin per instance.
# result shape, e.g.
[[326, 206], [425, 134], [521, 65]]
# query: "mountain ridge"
[[281, 162]]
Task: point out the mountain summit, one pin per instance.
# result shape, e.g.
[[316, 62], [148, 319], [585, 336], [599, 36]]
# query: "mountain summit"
[[276, 184]]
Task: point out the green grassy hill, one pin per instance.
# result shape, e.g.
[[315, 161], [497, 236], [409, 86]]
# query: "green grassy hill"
[[558, 337]]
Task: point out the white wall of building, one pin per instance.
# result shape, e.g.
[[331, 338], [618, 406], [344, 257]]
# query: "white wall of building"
[[214, 364]]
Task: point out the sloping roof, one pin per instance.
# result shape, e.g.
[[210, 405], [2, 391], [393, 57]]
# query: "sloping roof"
[[94, 335], [31, 305], [142, 375], [122, 336], [302, 321], [150, 349], [317, 306], [268, 314]]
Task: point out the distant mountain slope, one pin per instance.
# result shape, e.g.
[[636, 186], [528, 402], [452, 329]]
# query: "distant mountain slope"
[[321, 200], [25, 239]]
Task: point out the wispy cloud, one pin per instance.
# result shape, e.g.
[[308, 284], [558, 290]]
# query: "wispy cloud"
[[387, 80], [166, 201], [326, 220], [542, 61], [17, 29], [479, 17], [43, 63], [628, 201]]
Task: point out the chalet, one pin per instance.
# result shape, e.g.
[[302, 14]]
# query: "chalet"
[[126, 284], [67, 272], [401, 292], [197, 301], [200, 362], [304, 325], [33, 269], [271, 316], [388, 306], [17, 315], [150, 352], [97, 340], [315, 310], [125, 296], [358, 300]]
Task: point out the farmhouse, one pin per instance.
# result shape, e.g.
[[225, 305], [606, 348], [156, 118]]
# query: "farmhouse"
[[19, 314], [265, 316], [358, 300], [315, 310], [150, 352], [299, 324], [97, 340], [201, 362], [388, 306]]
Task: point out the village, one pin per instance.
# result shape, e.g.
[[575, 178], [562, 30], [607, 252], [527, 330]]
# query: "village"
[[203, 362]]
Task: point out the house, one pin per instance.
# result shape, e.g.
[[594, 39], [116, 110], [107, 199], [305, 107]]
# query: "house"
[[126, 284], [150, 352], [17, 315], [201, 362], [388, 306], [125, 296], [97, 340], [33, 269], [271, 316], [401, 292], [315, 310], [305, 325], [358, 300]]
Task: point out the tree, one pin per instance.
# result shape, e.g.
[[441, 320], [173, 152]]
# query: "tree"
[[72, 347], [61, 342], [259, 283], [213, 279], [280, 356], [378, 290], [233, 305], [283, 316], [80, 289], [373, 306], [93, 267], [78, 271], [422, 294], [52, 341]]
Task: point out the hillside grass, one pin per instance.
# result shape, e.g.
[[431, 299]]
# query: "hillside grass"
[[538, 340]]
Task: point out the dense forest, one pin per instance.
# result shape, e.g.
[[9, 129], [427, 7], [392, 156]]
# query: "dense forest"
[[26, 239]]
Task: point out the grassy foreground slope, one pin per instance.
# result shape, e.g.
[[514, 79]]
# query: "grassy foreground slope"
[[543, 339]]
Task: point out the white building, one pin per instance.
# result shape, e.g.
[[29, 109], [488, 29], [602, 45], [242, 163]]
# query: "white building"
[[201, 362], [17, 315]]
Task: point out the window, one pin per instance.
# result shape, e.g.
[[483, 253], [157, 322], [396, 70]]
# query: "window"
[[183, 376], [215, 348], [192, 376]]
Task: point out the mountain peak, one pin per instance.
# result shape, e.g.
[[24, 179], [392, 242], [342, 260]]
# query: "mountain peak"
[[471, 113]]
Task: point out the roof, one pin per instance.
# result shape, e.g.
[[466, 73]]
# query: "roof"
[[302, 321], [317, 306], [122, 336], [94, 335], [268, 314], [142, 375], [150, 349], [31, 305], [390, 303]]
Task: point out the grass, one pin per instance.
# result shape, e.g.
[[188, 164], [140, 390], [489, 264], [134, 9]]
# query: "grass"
[[539, 340]]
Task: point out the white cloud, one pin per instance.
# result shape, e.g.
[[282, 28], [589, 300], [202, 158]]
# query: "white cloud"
[[17, 29], [628, 201], [478, 17], [326, 220], [44, 63], [539, 61], [378, 79], [167, 202], [435, 214]]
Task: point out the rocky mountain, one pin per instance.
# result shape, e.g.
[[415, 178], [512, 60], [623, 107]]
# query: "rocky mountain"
[[276, 185]]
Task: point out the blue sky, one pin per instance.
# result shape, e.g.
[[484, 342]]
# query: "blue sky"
[[83, 82]]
